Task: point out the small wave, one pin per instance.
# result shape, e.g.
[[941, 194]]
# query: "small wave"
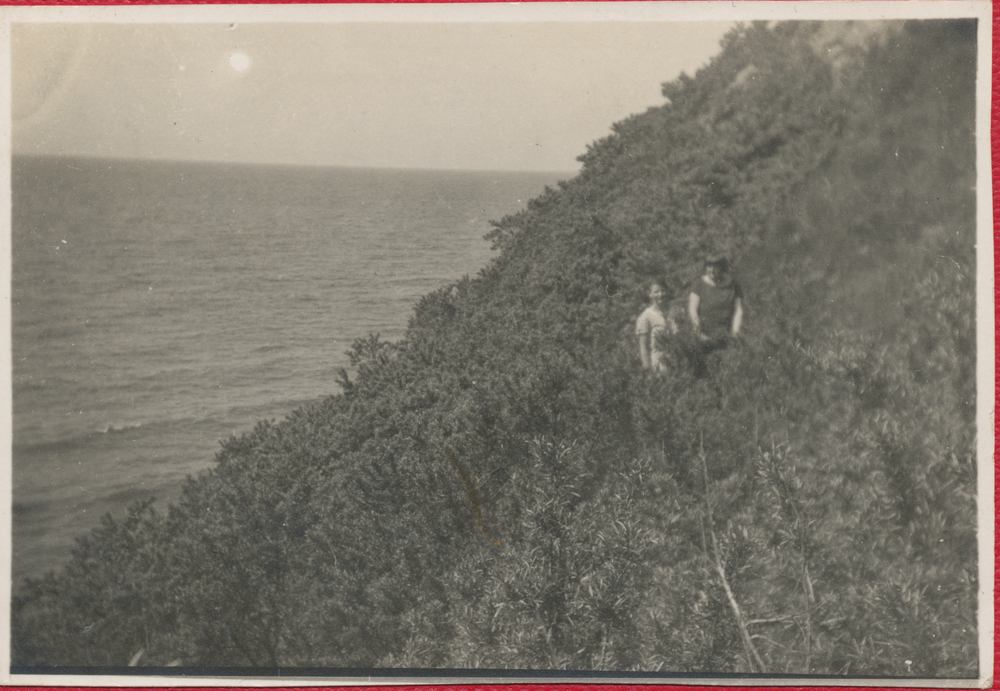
[[269, 348], [23, 509], [164, 430], [57, 332], [129, 495], [278, 410], [123, 427]]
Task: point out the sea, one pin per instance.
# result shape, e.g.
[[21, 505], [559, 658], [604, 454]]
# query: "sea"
[[160, 307]]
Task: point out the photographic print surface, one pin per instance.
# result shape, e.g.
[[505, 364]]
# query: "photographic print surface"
[[627, 343]]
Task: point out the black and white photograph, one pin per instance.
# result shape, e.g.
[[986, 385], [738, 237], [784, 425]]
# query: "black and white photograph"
[[604, 342]]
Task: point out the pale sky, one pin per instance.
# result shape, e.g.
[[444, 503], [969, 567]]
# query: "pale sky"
[[488, 95]]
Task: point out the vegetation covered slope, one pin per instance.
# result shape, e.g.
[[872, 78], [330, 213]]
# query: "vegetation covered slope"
[[506, 488]]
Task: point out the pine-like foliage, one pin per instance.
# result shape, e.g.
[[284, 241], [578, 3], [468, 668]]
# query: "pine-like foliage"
[[505, 488]]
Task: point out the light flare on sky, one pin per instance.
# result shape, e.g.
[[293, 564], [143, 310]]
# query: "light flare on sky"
[[239, 61]]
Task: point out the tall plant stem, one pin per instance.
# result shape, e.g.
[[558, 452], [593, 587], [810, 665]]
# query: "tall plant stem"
[[809, 599], [748, 647]]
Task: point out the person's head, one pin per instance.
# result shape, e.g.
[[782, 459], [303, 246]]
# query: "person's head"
[[716, 266], [657, 293]]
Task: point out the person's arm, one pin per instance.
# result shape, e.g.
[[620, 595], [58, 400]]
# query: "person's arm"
[[693, 302], [643, 329], [644, 350], [737, 316]]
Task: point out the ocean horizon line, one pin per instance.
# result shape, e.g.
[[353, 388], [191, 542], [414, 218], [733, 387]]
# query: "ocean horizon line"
[[272, 164]]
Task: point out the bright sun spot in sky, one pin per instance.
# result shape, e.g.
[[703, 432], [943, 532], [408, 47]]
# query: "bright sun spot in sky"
[[239, 61]]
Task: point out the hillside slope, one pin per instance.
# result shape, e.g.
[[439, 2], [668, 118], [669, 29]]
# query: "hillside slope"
[[506, 488]]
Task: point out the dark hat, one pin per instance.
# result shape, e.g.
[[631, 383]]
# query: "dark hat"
[[717, 259]]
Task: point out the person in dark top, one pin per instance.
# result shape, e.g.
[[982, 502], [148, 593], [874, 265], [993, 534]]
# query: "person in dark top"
[[715, 307]]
